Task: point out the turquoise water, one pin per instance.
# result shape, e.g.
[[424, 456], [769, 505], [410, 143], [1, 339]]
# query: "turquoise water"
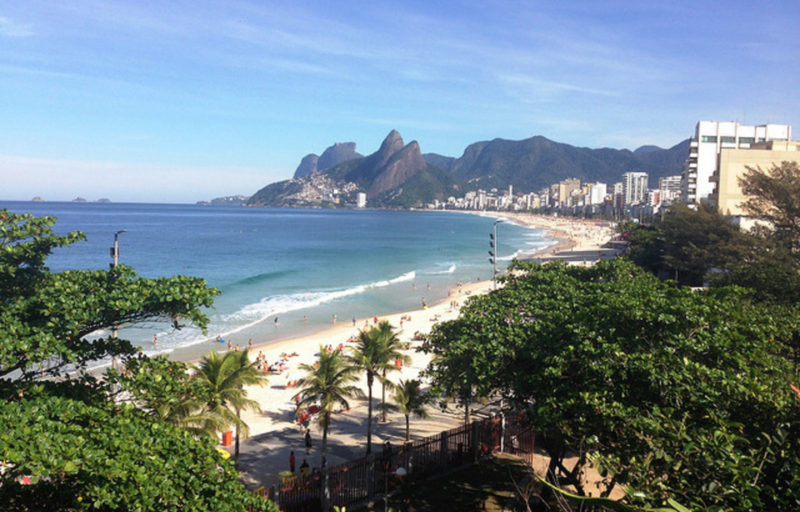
[[301, 266]]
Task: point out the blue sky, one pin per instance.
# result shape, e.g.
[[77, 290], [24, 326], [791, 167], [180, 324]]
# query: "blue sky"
[[186, 100]]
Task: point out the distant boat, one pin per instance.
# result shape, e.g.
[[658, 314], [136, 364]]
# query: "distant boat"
[[37, 199], [79, 200]]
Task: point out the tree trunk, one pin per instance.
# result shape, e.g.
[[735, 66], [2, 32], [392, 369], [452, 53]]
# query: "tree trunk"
[[383, 397], [236, 443], [324, 459], [407, 428], [369, 413]]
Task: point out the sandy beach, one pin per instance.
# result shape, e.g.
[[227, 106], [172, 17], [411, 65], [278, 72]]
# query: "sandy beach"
[[273, 431]]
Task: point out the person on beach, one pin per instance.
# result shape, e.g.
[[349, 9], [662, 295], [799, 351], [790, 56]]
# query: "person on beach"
[[308, 441], [291, 462], [155, 341], [354, 321], [276, 321], [230, 345], [334, 319]]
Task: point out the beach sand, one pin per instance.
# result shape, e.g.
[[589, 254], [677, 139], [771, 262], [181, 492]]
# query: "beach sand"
[[273, 433]]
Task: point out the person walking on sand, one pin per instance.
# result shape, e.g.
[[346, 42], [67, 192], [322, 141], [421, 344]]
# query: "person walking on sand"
[[291, 462], [308, 441]]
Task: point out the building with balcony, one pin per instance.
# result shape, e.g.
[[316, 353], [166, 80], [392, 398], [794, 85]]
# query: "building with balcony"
[[698, 180]]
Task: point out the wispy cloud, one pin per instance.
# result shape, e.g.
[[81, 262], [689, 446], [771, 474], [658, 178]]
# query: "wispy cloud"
[[10, 28]]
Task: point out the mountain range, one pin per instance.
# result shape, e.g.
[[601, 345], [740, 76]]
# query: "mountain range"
[[399, 175]]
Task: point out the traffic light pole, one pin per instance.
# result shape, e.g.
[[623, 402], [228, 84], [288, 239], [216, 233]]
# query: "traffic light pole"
[[493, 245]]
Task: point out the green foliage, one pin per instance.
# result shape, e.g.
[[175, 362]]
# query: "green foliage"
[[674, 393], [410, 400], [689, 243], [86, 444], [773, 196], [83, 453], [328, 385], [223, 378]]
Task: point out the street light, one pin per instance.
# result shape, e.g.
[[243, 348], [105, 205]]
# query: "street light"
[[115, 255]]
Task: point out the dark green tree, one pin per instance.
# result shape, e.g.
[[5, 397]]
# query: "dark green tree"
[[773, 196], [77, 446], [224, 378], [673, 394], [328, 385], [410, 400]]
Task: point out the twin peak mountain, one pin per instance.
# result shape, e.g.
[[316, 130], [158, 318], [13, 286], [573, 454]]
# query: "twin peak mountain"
[[398, 175]]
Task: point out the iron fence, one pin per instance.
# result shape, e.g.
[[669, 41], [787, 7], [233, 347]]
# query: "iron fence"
[[360, 481]]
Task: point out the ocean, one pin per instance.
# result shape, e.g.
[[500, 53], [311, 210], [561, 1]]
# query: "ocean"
[[299, 266]]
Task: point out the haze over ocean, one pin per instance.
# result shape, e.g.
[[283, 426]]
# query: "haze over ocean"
[[284, 263]]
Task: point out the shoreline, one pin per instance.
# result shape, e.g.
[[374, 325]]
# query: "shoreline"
[[274, 433]]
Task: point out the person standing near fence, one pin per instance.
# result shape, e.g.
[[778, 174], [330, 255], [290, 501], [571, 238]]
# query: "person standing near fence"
[[308, 441], [291, 462]]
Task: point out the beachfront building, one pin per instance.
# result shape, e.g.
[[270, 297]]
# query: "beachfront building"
[[597, 193], [566, 189], [634, 188], [361, 200], [710, 138], [734, 163]]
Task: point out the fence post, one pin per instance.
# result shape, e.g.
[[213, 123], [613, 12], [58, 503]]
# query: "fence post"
[[443, 455], [502, 432], [475, 441], [325, 495], [407, 459], [371, 475]]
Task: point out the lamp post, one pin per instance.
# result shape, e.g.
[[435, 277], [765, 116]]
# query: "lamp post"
[[115, 255], [493, 246]]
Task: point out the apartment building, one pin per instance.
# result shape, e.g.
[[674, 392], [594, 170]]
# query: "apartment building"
[[710, 138]]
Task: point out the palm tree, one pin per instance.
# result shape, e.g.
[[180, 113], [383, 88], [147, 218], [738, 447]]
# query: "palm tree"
[[411, 400], [367, 355], [390, 352], [224, 377], [327, 385]]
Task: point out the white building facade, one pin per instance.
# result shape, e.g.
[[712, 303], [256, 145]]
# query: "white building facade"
[[710, 137], [634, 188]]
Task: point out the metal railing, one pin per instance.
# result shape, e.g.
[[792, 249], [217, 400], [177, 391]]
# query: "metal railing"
[[369, 478]]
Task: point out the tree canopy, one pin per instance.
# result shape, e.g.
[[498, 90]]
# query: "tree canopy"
[[73, 443], [672, 393]]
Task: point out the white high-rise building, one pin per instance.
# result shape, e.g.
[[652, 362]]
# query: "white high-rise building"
[[670, 188], [701, 170], [634, 188], [597, 193], [361, 200]]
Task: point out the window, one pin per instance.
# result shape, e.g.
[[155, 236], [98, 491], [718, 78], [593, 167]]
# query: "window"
[[732, 140], [708, 138], [747, 140]]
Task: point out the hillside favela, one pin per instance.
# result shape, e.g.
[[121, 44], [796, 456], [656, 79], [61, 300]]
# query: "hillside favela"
[[339, 257]]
